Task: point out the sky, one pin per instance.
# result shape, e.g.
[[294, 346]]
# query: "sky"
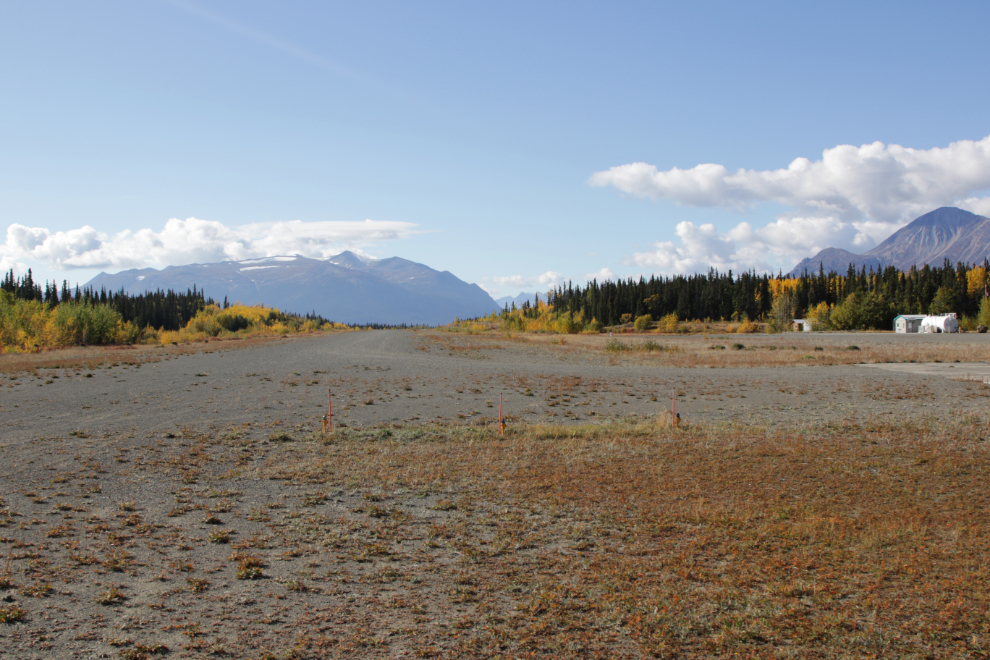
[[518, 145]]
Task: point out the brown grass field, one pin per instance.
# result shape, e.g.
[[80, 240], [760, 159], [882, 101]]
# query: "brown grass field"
[[627, 541], [746, 350]]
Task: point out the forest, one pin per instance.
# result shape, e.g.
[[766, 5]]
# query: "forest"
[[856, 300], [34, 316]]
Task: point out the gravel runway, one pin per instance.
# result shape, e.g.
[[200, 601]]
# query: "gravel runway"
[[404, 377]]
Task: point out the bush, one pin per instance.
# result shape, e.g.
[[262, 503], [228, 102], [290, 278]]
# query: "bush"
[[747, 327], [781, 313], [643, 322], [566, 324], [846, 314], [668, 323], [615, 346], [983, 316], [594, 326], [820, 316], [874, 314]]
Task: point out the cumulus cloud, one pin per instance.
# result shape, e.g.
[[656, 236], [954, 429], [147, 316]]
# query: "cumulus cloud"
[[191, 241], [785, 241], [601, 276], [885, 183], [852, 198], [548, 279], [542, 282]]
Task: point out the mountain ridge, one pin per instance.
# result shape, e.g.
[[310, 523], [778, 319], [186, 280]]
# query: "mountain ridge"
[[346, 287], [945, 233]]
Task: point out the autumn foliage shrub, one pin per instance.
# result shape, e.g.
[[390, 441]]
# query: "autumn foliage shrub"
[[31, 324], [668, 323]]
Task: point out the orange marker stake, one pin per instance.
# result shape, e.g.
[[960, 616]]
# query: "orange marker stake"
[[501, 426]]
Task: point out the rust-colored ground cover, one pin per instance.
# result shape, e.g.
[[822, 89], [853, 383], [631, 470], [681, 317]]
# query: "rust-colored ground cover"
[[616, 540]]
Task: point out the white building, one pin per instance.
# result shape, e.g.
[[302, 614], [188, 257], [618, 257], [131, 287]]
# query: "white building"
[[908, 322], [940, 323], [799, 325]]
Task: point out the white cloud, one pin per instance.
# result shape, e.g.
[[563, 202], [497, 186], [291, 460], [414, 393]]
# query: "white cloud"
[[853, 198], [192, 241], [785, 241], [548, 279], [512, 281], [885, 183], [542, 282], [601, 276], [977, 205]]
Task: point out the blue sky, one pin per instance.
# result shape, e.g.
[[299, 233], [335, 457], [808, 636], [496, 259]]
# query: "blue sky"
[[498, 142]]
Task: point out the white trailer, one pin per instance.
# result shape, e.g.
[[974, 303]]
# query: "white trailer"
[[940, 323]]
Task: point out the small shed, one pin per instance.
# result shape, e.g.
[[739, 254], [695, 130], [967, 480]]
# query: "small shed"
[[940, 323], [801, 325], [908, 323]]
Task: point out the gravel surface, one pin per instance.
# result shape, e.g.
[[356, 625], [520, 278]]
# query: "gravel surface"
[[401, 377]]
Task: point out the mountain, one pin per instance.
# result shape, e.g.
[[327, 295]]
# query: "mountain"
[[518, 300], [945, 233], [835, 259], [346, 288]]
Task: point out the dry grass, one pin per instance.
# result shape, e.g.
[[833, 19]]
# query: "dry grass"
[[90, 357], [851, 541], [611, 540], [755, 350]]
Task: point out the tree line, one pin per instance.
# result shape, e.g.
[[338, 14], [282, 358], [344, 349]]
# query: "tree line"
[[878, 296], [164, 310]]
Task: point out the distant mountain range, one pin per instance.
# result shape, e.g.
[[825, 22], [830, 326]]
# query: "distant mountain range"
[[945, 233], [518, 300], [346, 288]]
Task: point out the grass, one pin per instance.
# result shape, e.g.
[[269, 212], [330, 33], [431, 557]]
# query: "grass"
[[11, 614], [844, 540], [96, 357], [622, 539], [760, 350]]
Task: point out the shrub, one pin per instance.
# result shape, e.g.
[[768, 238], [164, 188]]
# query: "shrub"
[[643, 322], [747, 327], [846, 314], [781, 312], [615, 346], [983, 316], [820, 316], [875, 314], [11, 614], [566, 324], [595, 326], [668, 323]]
